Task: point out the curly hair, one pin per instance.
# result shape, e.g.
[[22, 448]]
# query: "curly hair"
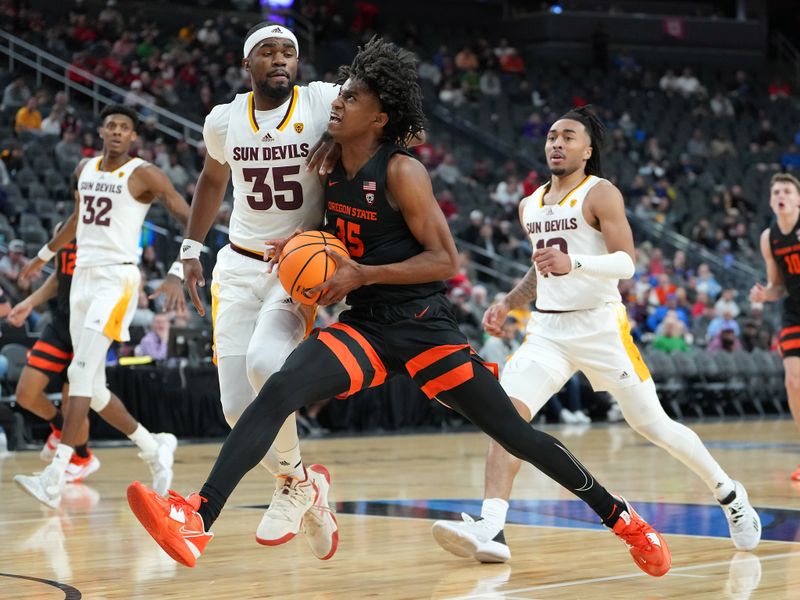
[[586, 116], [390, 73]]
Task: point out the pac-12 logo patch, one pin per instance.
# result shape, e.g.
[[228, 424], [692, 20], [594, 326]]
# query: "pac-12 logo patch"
[[298, 127], [370, 199]]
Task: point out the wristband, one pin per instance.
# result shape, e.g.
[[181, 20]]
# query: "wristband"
[[176, 269], [45, 254], [190, 249]]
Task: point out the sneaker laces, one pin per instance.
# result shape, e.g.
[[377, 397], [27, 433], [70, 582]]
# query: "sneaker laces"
[[635, 531], [181, 503], [736, 512], [286, 499], [481, 524]]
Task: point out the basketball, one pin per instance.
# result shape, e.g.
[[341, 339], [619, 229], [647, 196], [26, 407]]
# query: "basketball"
[[303, 264]]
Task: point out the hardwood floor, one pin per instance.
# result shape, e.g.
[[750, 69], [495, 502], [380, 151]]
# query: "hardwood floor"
[[388, 492]]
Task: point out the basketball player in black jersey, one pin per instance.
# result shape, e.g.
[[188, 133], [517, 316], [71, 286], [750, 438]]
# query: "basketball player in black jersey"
[[48, 361], [379, 201], [780, 246]]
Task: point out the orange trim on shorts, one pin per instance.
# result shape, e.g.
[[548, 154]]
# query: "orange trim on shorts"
[[789, 330], [430, 356], [47, 365], [374, 359], [790, 345], [452, 379], [51, 350], [493, 368], [347, 360]]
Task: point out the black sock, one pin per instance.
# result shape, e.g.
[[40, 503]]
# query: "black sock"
[[58, 421], [82, 451], [617, 508], [210, 509]]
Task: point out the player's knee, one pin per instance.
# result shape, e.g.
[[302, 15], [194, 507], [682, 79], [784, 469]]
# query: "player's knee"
[[232, 407], [101, 396], [792, 381], [260, 367], [80, 380]]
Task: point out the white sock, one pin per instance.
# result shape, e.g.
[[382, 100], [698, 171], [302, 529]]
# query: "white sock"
[[494, 511], [144, 439], [720, 484], [62, 456], [289, 463]]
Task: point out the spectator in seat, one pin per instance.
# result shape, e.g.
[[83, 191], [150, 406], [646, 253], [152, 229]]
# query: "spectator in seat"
[[154, 343], [152, 268], [508, 193], [706, 282], [447, 203], [722, 321], [727, 340], [28, 118], [726, 303], [15, 95], [68, 151], [10, 266], [672, 336], [472, 232]]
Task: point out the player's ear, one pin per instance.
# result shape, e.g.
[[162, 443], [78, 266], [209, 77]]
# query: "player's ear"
[[587, 154], [246, 64], [381, 119]]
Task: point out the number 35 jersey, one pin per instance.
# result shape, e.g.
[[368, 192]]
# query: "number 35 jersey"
[[562, 226], [109, 217], [273, 193]]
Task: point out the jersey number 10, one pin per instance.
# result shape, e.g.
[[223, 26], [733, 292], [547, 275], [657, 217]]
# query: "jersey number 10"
[[263, 197]]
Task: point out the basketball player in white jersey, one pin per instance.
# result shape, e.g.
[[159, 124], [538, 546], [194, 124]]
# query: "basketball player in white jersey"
[[114, 193], [261, 139], [583, 246]]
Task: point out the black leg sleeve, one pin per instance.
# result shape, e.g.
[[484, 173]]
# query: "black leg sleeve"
[[310, 374], [483, 401]]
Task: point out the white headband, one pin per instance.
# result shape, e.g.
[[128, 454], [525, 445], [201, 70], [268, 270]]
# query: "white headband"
[[266, 32]]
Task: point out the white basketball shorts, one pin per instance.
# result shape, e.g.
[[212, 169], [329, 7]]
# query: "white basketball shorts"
[[104, 299], [597, 342]]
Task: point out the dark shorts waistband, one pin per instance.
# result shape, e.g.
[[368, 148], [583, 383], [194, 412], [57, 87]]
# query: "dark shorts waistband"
[[246, 252]]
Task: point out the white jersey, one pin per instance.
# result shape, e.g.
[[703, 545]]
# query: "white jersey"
[[109, 218], [563, 226], [273, 193]]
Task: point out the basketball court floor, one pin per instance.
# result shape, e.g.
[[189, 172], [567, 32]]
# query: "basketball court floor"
[[388, 491]]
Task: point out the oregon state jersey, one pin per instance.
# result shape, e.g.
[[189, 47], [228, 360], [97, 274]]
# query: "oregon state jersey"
[[110, 218], [273, 193], [374, 232], [65, 267], [786, 252], [563, 226]]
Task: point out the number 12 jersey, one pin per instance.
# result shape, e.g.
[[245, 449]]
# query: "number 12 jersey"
[[273, 193]]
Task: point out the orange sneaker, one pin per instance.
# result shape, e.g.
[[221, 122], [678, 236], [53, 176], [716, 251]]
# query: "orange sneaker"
[[173, 522], [796, 474], [647, 547]]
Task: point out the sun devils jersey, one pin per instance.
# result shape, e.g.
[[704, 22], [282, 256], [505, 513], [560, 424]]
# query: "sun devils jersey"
[[110, 218], [562, 225], [786, 252], [273, 193]]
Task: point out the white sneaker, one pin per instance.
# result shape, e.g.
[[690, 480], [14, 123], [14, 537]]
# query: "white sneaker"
[[319, 523], [160, 462], [567, 417], [290, 502], [472, 538], [743, 520], [45, 486], [78, 471], [581, 417]]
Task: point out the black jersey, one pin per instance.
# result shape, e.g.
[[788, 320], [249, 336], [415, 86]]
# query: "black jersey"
[[65, 266], [786, 251], [374, 232]]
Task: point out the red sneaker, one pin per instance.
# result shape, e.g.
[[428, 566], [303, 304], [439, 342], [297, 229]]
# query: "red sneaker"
[[79, 468], [796, 474], [48, 451], [647, 547], [173, 522]]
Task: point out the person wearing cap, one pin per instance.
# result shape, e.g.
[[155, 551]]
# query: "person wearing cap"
[[12, 264]]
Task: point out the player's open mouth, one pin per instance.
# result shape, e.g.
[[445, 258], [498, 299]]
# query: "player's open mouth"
[[555, 157], [335, 118]]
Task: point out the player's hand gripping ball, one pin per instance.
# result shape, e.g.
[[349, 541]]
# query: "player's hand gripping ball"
[[303, 264]]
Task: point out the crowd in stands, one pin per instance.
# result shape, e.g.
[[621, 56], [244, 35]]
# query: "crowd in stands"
[[691, 148]]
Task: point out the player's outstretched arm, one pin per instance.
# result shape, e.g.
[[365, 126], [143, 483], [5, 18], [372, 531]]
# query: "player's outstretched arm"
[[64, 235], [47, 290], [409, 187], [160, 187], [775, 288]]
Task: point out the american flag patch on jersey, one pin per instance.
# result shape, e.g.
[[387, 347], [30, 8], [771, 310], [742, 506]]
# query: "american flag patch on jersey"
[[370, 186]]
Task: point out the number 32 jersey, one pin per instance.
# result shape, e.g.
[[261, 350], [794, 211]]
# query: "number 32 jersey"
[[273, 193], [563, 226], [109, 217]]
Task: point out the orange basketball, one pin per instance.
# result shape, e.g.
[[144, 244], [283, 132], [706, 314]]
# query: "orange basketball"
[[303, 264]]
